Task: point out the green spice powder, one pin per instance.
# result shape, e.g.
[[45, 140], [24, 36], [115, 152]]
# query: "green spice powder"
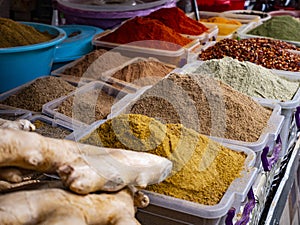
[[280, 27], [249, 78]]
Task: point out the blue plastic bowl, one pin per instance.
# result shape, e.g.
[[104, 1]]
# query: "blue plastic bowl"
[[74, 47], [21, 64]]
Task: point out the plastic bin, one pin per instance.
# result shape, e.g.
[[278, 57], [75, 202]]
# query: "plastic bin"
[[168, 210], [224, 30], [61, 129], [244, 19], [9, 113], [74, 122], [107, 76], [60, 72], [263, 15], [178, 57], [14, 91], [290, 110]]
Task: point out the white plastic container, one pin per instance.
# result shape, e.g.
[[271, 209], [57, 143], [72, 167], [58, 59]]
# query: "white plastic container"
[[178, 57], [51, 122], [263, 15], [169, 210], [10, 113], [50, 108], [15, 90], [60, 72]]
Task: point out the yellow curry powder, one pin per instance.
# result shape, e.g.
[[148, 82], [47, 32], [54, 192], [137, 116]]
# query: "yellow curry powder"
[[17, 34], [218, 19], [202, 169]]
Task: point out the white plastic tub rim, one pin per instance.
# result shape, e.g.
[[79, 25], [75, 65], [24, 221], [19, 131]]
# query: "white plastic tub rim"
[[234, 196]]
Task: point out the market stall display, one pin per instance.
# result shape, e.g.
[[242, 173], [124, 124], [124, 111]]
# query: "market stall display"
[[197, 118]]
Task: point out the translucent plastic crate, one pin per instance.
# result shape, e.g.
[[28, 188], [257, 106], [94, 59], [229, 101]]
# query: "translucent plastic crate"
[[11, 113], [169, 210], [76, 121], [57, 128], [290, 110], [177, 57]]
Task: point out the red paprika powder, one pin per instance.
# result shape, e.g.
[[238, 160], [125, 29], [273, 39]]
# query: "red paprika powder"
[[176, 19], [141, 29]]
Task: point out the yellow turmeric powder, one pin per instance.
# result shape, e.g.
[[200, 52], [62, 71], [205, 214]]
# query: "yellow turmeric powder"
[[218, 19], [202, 168], [17, 34]]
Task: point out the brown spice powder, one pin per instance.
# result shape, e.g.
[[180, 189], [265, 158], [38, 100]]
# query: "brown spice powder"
[[206, 105], [81, 66], [202, 169], [143, 72], [38, 93], [87, 107]]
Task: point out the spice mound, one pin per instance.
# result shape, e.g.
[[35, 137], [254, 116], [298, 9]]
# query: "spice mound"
[[88, 106], [204, 104], [284, 27], [143, 72], [202, 169], [176, 19], [81, 66], [269, 53], [38, 93], [146, 32], [15, 34], [95, 63], [249, 78]]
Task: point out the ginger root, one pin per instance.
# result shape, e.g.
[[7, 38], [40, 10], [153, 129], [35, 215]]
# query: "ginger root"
[[61, 207], [82, 168], [20, 124]]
